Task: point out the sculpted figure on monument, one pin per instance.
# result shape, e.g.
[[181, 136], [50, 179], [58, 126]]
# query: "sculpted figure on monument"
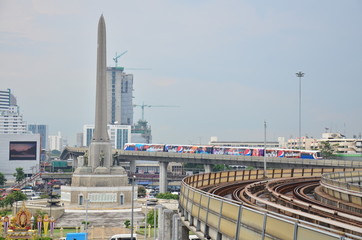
[[85, 157], [115, 159], [101, 159]]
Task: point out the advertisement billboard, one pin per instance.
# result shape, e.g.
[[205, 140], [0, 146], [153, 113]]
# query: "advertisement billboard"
[[19, 150]]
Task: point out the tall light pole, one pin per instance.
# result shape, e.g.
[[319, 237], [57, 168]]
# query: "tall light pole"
[[132, 201], [300, 75], [86, 215], [264, 149]]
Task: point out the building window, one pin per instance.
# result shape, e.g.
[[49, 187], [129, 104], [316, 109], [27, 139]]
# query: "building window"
[[81, 200], [121, 199]]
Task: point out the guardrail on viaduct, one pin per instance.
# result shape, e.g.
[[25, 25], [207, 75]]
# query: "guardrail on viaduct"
[[273, 162], [214, 217]]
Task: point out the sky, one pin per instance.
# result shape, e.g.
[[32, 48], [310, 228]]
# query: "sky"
[[229, 65]]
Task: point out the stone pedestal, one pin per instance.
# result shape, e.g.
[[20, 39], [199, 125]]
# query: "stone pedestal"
[[104, 188]]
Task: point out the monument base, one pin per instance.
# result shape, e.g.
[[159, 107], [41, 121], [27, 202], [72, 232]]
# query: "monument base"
[[104, 188]]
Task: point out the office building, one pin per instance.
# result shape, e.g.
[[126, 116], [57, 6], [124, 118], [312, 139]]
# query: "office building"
[[141, 132], [119, 96], [56, 142], [42, 129], [79, 139], [118, 134], [256, 144], [6, 99], [11, 121], [341, 146]]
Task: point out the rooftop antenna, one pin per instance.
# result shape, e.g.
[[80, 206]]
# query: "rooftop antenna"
[[115, 59]]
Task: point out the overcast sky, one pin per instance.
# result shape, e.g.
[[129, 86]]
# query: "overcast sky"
[[230, 65]]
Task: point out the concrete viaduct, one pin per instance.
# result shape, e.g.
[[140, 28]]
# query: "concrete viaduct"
[[210, 159]]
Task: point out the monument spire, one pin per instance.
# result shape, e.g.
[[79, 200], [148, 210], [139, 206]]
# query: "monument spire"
[[100, 130], [100, 149]]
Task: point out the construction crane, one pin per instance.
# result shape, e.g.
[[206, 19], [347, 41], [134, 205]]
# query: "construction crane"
[[115, 59], [145, 105]]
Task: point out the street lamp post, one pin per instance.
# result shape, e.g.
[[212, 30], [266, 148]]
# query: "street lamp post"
[[300, 75], [155, 220], [264, 149], [132, 202], [146, 222], [86, 214]]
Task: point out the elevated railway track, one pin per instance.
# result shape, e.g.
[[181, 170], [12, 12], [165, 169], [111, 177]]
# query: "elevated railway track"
[[245, 205]]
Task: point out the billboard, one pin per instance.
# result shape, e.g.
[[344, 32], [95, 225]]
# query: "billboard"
[[22, 150]]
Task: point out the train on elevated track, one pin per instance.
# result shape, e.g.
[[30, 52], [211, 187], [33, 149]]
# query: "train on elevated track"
[[224, 150]]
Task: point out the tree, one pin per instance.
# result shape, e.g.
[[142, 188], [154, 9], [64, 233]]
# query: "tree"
[[151, 217], [141, 191], [167, 195], [326, 149], [14, 197], [127, 223], [220, 167], [2, 179], [19, 175]]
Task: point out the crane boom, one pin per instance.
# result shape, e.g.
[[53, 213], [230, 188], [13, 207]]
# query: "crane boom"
[[142, 106], [115, 59]]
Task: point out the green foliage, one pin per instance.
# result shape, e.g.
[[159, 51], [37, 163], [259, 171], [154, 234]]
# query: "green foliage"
[[39, 213], [167, 195], [194, 166], [2, 179], [14, 197], [43, 238], [5, 212], [326, 149], [19, 175], [44, 195], [151, 217], [127, 223], [220, 167], [141, 191]]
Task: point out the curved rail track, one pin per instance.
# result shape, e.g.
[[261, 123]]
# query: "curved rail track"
[[293, 197]]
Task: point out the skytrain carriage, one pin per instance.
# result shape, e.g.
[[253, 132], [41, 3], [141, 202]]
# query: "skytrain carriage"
[[188, 149], [144, 147], [224, 150], [310, 154]]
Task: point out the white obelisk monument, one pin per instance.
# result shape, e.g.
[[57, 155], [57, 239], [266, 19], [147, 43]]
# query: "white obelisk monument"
[[99, 181], [100, 150]]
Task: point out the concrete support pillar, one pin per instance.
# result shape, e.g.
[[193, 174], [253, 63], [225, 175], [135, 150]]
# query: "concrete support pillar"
[[163, 177], [165, 224], [179, 231], [207, 168], [132, 166], [159, 209]]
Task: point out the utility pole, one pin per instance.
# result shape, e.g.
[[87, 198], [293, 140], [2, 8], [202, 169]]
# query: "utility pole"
[[300, 75], [264, 149]]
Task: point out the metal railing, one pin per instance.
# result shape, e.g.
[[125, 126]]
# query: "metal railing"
[[214, 217]]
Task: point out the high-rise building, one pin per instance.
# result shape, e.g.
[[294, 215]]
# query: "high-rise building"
[[7, 99], [42, 129], [141, 132], [79, 139], [119, 96], [11, 121], [118, 134], [56, 142]]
